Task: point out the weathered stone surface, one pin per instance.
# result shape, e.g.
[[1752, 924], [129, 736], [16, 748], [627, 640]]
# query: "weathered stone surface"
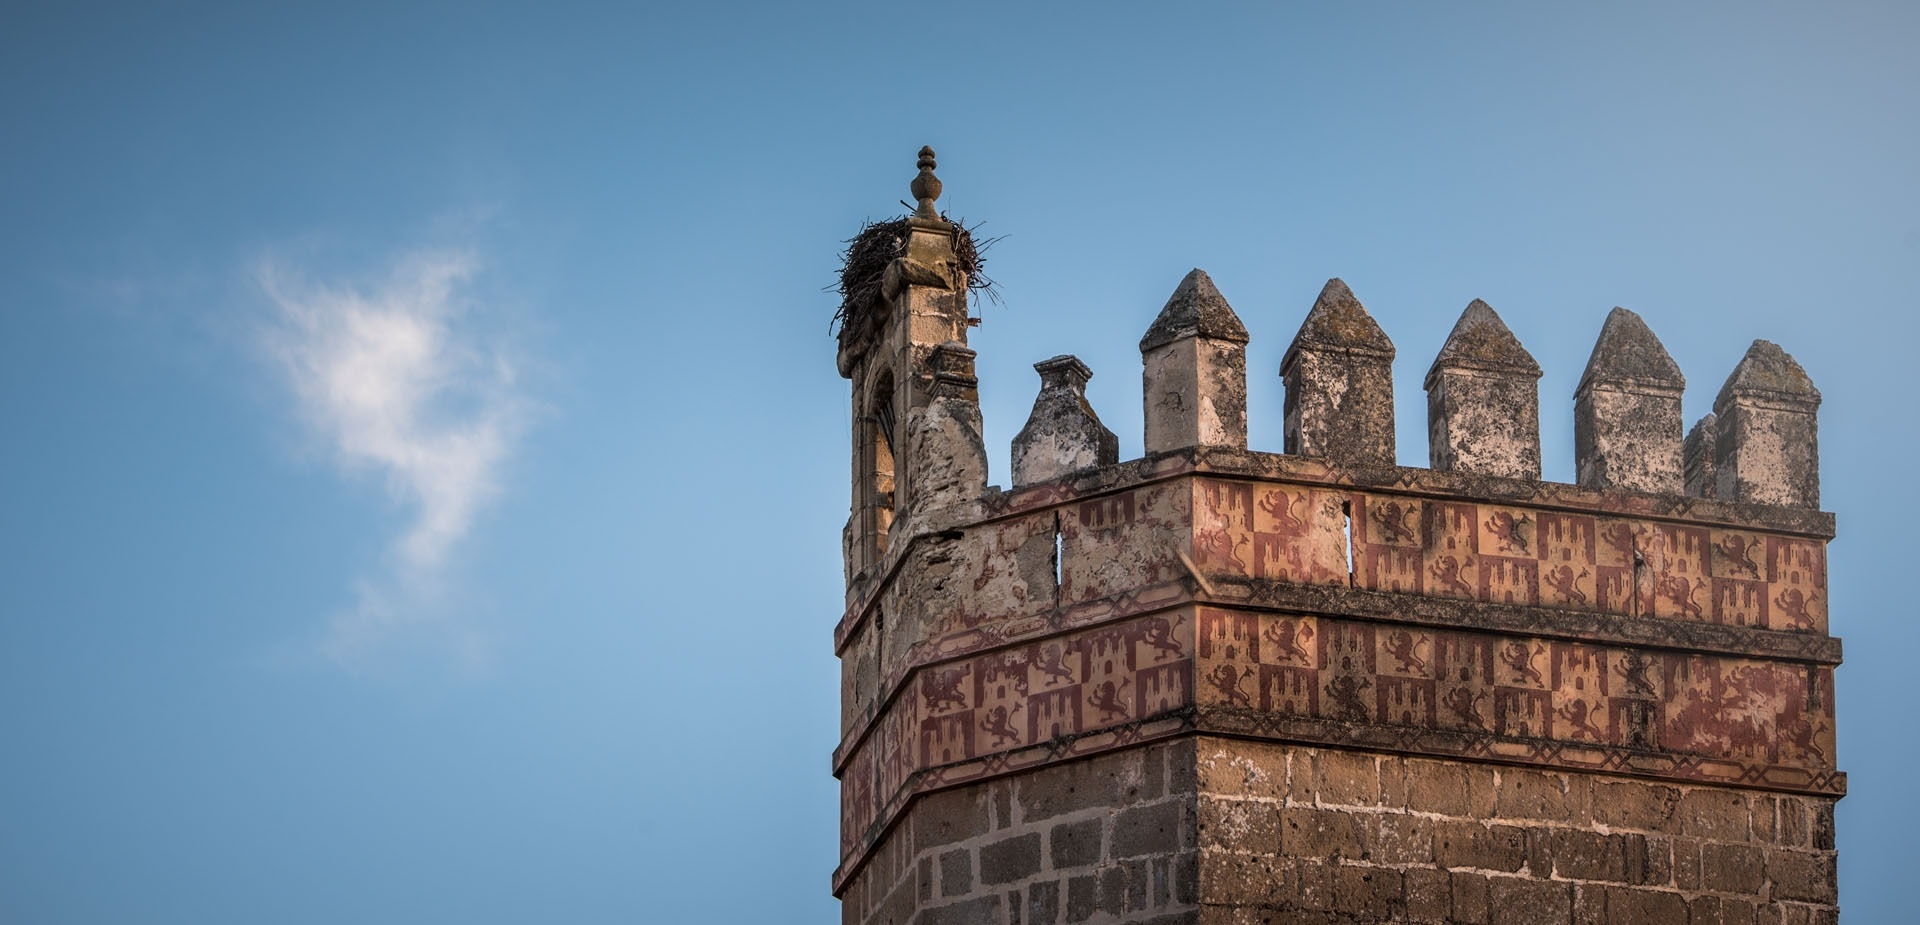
[[1339, 379], [1767, 447], [1626, 414], [1702, 458], [1063, 435], [1195, 371], [944, 447], [1483, 400]]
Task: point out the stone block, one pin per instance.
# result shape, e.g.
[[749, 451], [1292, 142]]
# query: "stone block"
[[1522, 901], [1010, 859], [1154, 829], [1443, 787], [1634, 906], [1083, 894], [1241, 879], [1589, 904], [1251, 770], [948, 817], [1579, 854], [1732, 868], [1309, 832], [1636, 805], [1071, 788], [956, 872], [1371, 891], [1075, 844], [1471, 896], [1240, 825], [1429, 895], [983, 910], [1802, 876], [1720, 815], [1043, 902], [1541, 795], [1479, 846], [1718, 910], [1686, 863], [1346, 778], [1398, 838]]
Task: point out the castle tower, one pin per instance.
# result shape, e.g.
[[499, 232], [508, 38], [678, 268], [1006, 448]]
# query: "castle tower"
[[1224, 685]]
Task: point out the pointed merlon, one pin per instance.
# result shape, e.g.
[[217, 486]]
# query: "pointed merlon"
[[1480, 340], [1338, 321], [926, 186], [1768, 370], [1194, 371], [1483, 400], [1626, 412], [1339, 378], [1767, 449], [1196, 309], [1627, 351]]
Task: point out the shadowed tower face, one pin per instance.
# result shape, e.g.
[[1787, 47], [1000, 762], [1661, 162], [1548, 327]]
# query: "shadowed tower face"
[[1217, 684]]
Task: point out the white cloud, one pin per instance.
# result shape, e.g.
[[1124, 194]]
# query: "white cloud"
[[397, 381]]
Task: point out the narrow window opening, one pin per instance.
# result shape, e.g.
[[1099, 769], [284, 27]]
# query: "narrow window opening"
[[1346, 519], [1059, 554], [877, 488]]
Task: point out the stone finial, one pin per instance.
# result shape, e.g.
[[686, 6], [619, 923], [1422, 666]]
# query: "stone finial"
[[1702, 470], [1767, 436], [1195, 370], [1483, 400], [948, 458], [926, 186], [1339, 378], [1063, 434], [1626, 412]]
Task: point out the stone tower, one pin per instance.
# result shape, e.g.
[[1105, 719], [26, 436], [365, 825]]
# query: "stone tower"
[[1223, 685]]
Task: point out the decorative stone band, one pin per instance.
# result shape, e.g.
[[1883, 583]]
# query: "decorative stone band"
[[1411, 486], [1462, 694]]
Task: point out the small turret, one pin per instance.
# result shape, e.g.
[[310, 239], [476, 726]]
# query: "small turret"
[[1626, 411], [1483, 400], [1063, 434], [1339, 378], [1195, 371], [905, 299], [1767, 446]]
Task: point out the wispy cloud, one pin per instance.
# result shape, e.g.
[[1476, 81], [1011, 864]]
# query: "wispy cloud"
[[396, 379]]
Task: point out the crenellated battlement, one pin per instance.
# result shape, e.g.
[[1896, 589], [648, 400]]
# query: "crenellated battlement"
[[1659, 628]]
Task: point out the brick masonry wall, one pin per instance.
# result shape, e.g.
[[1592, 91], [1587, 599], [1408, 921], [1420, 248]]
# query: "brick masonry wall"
[[1110, 838], [1298, 834]]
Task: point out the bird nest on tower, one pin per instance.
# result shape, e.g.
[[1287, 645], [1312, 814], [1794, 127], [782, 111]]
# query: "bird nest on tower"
[[878, 244]]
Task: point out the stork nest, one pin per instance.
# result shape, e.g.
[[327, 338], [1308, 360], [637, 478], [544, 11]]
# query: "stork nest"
[[868, 253]]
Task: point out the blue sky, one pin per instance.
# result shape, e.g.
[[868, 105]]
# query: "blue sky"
[[423, 456]]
